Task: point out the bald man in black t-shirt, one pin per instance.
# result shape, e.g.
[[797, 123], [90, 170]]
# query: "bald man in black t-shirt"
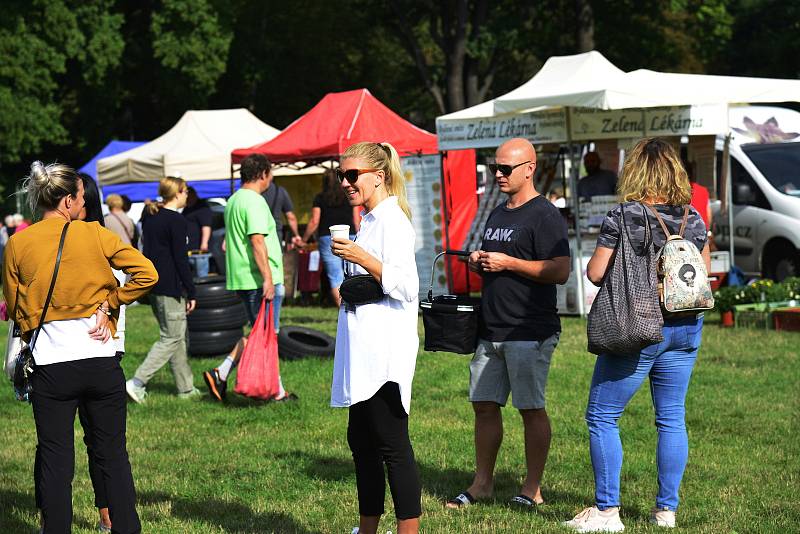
[[524, 254]]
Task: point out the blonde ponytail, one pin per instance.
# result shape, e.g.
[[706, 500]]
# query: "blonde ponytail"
[[383, 156]]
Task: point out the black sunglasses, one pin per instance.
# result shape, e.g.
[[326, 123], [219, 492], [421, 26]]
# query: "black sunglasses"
[[351, 175], [505, 170]]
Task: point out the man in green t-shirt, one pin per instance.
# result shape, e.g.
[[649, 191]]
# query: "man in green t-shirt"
[[253, 260]]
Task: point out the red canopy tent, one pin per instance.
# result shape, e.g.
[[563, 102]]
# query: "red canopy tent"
[[338, 121], [342, 119]]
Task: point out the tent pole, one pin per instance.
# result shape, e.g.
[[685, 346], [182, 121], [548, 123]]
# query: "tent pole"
[[445, 214], [726, 165], [576, 203]]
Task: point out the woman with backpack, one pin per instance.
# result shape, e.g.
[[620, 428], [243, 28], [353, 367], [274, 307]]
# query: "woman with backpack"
[[653, 188]]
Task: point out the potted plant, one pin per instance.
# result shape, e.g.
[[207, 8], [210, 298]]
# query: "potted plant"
[[725, 298]]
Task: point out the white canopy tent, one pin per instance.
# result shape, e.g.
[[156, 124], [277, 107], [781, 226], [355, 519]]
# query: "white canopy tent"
[[198, 147]]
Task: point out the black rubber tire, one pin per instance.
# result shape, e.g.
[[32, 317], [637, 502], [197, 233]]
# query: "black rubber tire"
[[782, 261], [214, 342], [295, 342], [210, 279], [215, 296], [210, 319]]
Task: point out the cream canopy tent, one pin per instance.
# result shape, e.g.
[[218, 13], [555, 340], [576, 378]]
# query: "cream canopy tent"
[[582, 97], [197, 148], [589, 80]]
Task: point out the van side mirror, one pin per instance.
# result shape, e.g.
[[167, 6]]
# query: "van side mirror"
[[743, 194]]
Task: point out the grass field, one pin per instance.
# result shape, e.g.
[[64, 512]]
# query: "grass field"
[[285, 468]]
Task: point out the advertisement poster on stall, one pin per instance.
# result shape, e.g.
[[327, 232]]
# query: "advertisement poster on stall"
[[701, 153], [423, 188]]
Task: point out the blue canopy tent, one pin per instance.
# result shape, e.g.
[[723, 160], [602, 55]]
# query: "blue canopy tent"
[[138, 191], [114, 147]]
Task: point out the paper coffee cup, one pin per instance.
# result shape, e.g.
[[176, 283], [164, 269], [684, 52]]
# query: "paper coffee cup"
[[340, 230]]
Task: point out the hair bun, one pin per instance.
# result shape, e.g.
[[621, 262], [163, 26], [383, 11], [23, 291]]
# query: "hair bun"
[[38, 171]]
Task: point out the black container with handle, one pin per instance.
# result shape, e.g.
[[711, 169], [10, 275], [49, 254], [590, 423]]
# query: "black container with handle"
[[450, 321]]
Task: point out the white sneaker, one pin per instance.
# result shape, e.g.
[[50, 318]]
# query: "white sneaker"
[[594, 520], [136, 393], [663, 517], [355, 531]]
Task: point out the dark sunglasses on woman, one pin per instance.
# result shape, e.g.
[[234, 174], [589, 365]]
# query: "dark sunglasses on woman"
[[351, 175]]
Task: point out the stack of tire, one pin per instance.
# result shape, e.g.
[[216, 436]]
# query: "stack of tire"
[[216, 323]]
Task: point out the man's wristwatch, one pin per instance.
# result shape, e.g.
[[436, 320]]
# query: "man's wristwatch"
[[104, 310]]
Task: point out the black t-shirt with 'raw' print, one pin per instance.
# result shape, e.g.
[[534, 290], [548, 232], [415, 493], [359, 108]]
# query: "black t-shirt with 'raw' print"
[[515, 308]]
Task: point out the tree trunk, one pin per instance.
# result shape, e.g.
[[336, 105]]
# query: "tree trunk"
[[454, 16], [584, 30]]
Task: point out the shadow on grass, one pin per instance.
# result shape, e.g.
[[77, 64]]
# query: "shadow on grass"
[[442, 484], [14, 501], [229, 516]]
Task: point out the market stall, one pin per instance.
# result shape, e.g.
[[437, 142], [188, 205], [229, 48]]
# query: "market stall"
[[576, 100], [341, 119]]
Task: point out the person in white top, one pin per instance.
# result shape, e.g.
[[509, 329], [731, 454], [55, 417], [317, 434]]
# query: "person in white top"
[[376, 342]]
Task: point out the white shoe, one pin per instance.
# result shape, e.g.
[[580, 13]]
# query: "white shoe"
[[594, 520], [663, 517], [355, 531], [136, 393]]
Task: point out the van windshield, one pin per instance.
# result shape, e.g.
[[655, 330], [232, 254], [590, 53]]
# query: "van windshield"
[[779, 163]]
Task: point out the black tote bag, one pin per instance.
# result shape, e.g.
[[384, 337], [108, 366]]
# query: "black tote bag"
[[626, 314]]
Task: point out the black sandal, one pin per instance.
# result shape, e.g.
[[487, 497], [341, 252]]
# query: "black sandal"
[[462, 500], [524, 500]]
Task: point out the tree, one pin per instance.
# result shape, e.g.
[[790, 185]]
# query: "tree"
[[456, 45]]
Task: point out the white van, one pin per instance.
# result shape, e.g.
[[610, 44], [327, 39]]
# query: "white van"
[[765, 173]]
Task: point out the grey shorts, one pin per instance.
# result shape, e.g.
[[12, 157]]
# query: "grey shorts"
[[518, 367]]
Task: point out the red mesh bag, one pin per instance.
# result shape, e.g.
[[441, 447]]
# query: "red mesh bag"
[[258, 374]]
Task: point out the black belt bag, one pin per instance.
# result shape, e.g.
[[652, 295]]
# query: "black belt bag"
[[361, 289]]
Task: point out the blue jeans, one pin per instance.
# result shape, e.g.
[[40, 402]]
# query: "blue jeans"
[[252, 303], [333, 264], [616, 379]]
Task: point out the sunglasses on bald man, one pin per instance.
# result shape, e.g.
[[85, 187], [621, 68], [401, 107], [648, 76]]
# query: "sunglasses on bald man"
[[505, 170]]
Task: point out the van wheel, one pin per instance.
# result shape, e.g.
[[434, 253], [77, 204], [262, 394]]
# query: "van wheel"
[[295, 342], [781, 260]]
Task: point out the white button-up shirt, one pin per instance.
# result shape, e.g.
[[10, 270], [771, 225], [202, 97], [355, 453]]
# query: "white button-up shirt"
[[378, 343]]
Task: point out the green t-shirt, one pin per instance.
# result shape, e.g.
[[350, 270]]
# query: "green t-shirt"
[[247, 214]]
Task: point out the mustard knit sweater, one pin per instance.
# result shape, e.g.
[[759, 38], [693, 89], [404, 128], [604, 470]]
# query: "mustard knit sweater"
[[84, 278]]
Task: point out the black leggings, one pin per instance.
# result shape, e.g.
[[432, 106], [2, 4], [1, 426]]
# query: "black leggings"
[[377, 433]]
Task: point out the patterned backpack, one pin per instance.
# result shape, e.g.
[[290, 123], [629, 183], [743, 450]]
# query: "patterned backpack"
[[682, 277]]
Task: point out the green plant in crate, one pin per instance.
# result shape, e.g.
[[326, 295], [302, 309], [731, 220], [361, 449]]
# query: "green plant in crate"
[[725, 298], [766, 291]]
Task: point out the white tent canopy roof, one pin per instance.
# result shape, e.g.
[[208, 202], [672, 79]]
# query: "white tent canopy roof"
[[589, 80], [198, 147]]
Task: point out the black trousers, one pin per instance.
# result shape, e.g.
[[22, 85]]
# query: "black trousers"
[[98, 484], [98, 385], [377, 433]]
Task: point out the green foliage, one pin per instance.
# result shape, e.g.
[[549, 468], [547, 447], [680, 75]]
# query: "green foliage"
[[189, 39], [76, 73], [725, 298]]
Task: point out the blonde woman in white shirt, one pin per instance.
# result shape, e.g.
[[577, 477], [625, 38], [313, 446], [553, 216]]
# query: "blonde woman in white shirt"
[[376, 343]]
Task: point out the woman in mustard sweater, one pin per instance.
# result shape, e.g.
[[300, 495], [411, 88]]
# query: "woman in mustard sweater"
[[74, 352]]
